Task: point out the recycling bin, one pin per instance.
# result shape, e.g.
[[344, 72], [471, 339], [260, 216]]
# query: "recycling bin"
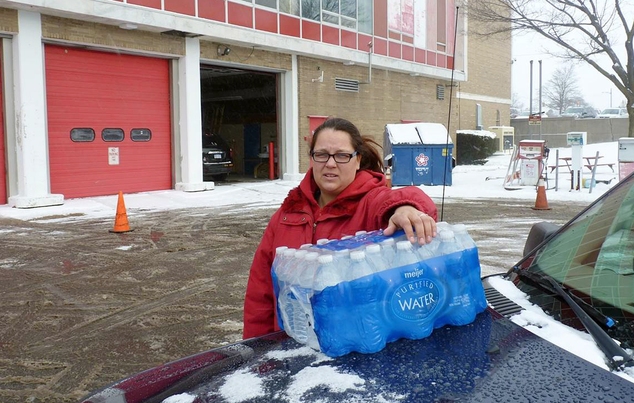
[[421, 153]]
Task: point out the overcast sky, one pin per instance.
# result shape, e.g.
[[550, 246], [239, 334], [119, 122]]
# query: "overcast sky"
[[594, 87]]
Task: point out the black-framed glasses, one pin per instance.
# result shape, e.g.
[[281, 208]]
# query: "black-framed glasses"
[[340, 158]]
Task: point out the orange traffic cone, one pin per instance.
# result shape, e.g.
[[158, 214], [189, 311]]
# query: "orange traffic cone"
[[121, 220], [541, 203]]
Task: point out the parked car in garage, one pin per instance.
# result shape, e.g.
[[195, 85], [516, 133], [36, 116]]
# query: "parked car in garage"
[[578, 277], [613, 113], [217, 157]]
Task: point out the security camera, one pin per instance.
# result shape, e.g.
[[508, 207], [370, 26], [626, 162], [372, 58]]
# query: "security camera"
[[224, 50]]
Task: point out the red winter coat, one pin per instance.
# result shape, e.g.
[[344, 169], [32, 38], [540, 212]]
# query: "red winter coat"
[[366, 204]]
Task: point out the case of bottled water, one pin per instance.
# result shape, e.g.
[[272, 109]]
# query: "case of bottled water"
[[363, 291]]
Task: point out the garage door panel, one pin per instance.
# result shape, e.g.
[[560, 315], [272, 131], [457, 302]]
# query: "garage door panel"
[[89, 89]]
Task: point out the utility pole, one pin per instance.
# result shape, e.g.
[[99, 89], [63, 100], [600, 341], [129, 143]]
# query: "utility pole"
[[540, 100], [530, 102]]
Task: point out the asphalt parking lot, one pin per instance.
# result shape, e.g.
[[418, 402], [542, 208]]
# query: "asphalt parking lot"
[[82, 307]]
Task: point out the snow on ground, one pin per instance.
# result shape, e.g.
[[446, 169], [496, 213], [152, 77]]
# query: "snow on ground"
[[468, 182]]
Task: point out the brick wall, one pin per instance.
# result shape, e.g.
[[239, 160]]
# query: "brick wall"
[[389, 98]]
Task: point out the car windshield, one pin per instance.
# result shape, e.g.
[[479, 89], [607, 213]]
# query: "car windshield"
[[594, 255], [574, 110]]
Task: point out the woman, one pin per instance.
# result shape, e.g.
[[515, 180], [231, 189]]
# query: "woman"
[[344, 192]]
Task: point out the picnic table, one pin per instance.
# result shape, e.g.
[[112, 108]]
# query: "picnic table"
[[589, 163]]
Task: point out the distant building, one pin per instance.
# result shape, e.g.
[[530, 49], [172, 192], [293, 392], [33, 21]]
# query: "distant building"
[[102, 96]]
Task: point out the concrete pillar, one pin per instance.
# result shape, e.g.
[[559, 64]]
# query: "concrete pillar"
[[31, 140], [189, 158], [291, 136]]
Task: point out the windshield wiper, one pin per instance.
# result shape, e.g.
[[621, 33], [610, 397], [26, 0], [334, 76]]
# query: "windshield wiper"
[[539, 279], [617, 357]]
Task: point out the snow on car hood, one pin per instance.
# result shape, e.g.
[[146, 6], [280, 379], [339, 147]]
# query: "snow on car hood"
[[535, 320]]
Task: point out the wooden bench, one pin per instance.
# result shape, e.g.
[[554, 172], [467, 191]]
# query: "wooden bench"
[[589, 164], [553, 167], [606, 164]]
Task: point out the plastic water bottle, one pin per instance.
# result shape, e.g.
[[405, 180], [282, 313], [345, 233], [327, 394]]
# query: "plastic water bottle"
[[327, 273], [359, 266], [303, 291], [462, 236], [448, 243], [278, 261], [374, 255], [300, 291], [426, 251], [471, 258], [388, 250], [342, 259], [364, 293], [284, 306], [405, 254], [461, 308]]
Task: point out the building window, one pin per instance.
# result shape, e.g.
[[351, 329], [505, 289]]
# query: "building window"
[[310, 9], [82, 135], [267, 3], [353, 14], [140, 134], [112, 135], [441, 35], [289, 7]]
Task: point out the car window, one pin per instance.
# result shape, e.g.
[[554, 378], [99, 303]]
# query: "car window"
[[594, 253], [214, 140]]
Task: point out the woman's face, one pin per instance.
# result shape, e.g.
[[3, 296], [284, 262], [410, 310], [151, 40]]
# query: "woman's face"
[[332, 177]]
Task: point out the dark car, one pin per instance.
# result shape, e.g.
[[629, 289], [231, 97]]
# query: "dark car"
[[580, 274], [217, 157]]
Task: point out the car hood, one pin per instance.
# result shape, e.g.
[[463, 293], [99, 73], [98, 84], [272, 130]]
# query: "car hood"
[[491, 359]]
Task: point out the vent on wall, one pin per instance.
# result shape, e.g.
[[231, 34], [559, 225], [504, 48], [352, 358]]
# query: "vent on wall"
[[345, 84], [440, 92]]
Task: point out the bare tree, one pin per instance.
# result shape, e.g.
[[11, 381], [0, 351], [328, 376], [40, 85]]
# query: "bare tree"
[[584, 30], [561, 90]]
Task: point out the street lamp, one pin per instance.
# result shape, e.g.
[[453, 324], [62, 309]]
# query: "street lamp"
[[610, 92]]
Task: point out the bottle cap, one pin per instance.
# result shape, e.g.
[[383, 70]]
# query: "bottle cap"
[[311, 256], [459, 228], [446, 234], [373, 248], [357, 255], [323, 259], [403, 245]]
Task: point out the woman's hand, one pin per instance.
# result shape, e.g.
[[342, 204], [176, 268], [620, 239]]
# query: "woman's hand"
[[415, 223]]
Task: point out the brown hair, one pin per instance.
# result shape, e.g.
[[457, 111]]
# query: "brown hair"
[[364, 145]]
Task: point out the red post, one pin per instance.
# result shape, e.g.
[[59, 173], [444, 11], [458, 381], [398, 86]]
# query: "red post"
[[271, 161]]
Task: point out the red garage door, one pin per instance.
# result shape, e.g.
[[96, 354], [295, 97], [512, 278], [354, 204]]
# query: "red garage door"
[[108, 122]]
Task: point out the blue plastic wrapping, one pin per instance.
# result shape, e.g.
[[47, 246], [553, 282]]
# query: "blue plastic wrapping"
[[409, 301]]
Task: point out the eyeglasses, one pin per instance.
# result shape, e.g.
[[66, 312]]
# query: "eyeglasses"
[[340, 158]]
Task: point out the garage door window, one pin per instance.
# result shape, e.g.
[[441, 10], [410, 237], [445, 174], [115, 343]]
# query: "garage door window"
[[112, 135], [140, 134], [82, 135]]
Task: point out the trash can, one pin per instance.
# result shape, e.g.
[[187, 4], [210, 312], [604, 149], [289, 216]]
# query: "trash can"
[[421, 153]]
